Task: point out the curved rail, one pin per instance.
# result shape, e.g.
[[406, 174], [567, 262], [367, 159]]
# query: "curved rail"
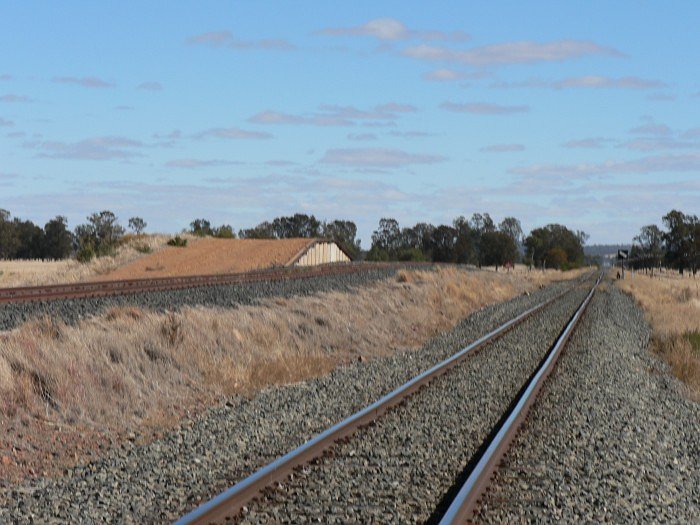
[[230, 502], [465, 503], [129, 286]]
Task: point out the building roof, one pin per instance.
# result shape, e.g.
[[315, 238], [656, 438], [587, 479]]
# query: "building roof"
[[215, 256]]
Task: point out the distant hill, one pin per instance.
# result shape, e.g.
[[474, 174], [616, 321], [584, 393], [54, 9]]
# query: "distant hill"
[[601, 250]]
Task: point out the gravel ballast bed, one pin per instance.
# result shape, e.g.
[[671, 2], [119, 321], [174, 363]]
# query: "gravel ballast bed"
[[160, 481], [612, 437], [398, 469], [72, 310]]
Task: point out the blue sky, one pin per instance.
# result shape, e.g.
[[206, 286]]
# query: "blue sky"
[[583, 113]]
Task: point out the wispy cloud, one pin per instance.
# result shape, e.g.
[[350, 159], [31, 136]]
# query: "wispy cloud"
[[658, 144], [410, 134], [335, 115], [150, 86], [192, 164], [12, 98], [658, 130], [96, 148], [391, 29], [596, 81], [124, 108], [232, 133], [483, 108], [662, 97], [362, 136], [443, 75], [645, 165], [88, 82], [502, 148], [6, 123], [524, 52], [591, 143], [377, 157], [226, 39], [5, 77]]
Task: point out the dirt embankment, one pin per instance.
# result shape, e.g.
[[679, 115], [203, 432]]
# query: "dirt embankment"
[[212, 256]]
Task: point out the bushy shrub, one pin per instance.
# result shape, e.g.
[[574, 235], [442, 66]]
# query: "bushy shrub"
[[178, 242]]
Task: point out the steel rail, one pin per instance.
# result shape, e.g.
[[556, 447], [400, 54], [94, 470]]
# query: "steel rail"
[[130, 286], [229, 503], [464, 505]]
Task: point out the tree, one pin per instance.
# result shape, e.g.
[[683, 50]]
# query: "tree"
[[444, 240], [201, 228], [137, 225], [344, 234], [263, 230], [679, 240], [100, 236], [57, 239], [498, 248], [541, 241], [9, 243], [388, 236], [224, 232], [651, 245], [511, 226]]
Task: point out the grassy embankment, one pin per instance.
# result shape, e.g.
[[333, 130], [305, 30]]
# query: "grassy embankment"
[[672, 307]]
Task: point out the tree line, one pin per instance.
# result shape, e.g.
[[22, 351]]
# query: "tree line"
[[478, 240], [677, 246]]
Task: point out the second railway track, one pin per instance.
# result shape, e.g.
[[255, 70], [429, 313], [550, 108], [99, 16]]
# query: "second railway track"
[[409, 464]]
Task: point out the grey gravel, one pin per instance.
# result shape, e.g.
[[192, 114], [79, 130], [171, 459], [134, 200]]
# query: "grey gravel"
[[161, 481], [612, 439], [398, 469], [72, 310]]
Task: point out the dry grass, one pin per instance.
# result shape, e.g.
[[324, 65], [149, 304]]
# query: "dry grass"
[[33, 273], [672, 306], [130, 366]]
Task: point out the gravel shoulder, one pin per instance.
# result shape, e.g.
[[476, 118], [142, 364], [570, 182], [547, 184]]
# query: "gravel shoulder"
[[160, 481], [613, 437]]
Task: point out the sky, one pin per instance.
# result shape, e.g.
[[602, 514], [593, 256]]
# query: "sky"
[[581, 113]]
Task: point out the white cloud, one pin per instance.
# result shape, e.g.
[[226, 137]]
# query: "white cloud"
[[592, 143], [652, 128], [96, 148], [232, 133], [390, 29], [335, 115], [191, 164], [502, 148], [524, 52], [12, 98], [150, 86], [377, 157], [483, 108], [88, 82], [225, 39], [596, 81], [443, 75]]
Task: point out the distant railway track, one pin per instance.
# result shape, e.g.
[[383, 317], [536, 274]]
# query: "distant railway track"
[[132, 286], [462, 499]]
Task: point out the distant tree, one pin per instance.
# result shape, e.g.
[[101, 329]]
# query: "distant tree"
[[57, 239], [444, 240], [498, 248], [465, 245], [556, 258], [224, 232], [541, 241], [387, 236], [512, 227], [650, 247], [9, 242], [264, 230], [30, 240], [679, 240], [137, 225], [201, 228], [344, 233], [99, 236], [297, 225]]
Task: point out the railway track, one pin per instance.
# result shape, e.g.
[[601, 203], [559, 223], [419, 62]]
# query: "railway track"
[[457, 503], [132, 286]]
